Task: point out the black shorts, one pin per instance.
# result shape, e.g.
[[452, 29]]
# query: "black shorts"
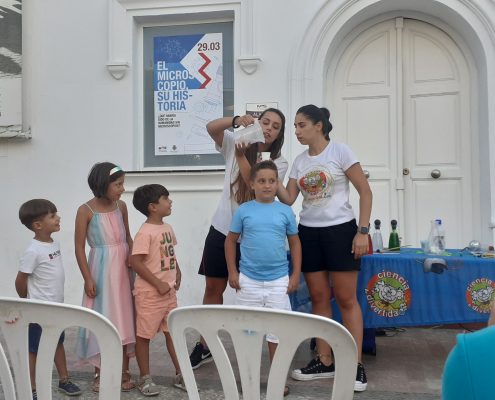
[[213, 263], [329, 248], [34, 336]]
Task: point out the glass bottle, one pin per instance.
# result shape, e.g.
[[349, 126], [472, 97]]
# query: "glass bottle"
[[377, 238], [370, 244], [393, 240]]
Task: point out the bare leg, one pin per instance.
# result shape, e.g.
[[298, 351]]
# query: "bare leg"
[[125, 359], [320, 291], [214, 293], [127, 382], [61, 362], [32, 369], [143, 355], [214, 290], [345, 288], [171, 351], [272, 347]]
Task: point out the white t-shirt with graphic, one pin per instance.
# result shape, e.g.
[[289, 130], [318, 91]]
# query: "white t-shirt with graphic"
[[324, 185], [43, 262], [227, 206]]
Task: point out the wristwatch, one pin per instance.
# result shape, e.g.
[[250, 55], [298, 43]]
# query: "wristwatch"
[[364, 230]]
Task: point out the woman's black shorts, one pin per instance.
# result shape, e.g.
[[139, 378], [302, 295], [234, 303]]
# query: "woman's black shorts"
[[329, 248], [213, 262]]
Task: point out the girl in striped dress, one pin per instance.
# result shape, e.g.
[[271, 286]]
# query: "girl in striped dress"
[[103, 223]]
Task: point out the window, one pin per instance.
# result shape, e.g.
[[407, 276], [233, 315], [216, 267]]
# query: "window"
[[188, 81]]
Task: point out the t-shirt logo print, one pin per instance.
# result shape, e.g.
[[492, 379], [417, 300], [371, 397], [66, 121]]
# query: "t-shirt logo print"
[[54, 255], [166, 251], [317, 185]]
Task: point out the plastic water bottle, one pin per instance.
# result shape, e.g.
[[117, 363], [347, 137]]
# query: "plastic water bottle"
[[377, 238], [393, 240], [436, 239], [441, 235]]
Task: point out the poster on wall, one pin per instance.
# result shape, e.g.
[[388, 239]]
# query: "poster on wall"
[[255, 109], [188, 92], [10, 63]]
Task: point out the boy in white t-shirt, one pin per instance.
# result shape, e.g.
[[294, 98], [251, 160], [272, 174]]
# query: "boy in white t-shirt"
[[41, 277]]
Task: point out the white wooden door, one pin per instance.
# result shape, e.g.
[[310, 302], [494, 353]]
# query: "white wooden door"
[[400, 97]]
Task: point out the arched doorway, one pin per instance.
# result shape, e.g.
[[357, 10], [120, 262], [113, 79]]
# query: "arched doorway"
[[470, 25], [400, 95]]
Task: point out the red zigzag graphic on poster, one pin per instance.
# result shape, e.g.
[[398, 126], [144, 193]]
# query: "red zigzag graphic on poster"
[[202, 69]]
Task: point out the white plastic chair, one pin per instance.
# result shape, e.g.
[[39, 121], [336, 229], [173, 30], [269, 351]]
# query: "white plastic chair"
[[247, 328], [53, 319]]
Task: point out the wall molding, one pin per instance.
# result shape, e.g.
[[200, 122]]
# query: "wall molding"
[[124, 14]]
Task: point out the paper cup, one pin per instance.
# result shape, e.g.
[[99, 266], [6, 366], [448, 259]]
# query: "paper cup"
[[265, 155]]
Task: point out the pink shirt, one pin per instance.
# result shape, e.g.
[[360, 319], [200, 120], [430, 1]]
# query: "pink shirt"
[[157, 243]]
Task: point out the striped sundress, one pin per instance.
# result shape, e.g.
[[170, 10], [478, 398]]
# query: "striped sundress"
[[107, 262]]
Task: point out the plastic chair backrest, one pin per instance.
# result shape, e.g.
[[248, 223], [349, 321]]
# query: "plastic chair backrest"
[[247, 328], [15, 317]]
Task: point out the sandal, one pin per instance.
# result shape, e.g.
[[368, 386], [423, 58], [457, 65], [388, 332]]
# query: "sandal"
[[127, 383], [95, 386], [147, 387]]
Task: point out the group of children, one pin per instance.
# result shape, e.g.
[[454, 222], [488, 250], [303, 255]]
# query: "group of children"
[[108, 270]]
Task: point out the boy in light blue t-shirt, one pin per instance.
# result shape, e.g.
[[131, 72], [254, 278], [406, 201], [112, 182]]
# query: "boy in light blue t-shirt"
[[263, 224]]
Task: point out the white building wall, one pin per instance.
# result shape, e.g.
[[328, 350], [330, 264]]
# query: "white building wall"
[[79, 114]]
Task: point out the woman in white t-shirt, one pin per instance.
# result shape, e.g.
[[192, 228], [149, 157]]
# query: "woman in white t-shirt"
[[236, 190], [332, 242]]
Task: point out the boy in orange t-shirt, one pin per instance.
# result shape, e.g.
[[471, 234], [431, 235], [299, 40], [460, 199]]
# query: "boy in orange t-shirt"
[[159, 276]]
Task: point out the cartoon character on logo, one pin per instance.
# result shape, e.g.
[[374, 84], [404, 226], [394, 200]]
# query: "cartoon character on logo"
[[479, 294], [388, 294], [316, 184]]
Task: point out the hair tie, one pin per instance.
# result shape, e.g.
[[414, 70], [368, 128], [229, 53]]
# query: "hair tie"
[[114, 170]]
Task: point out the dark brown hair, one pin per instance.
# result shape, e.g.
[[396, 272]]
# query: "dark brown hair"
[[267, 164], [244, 192], [101, 175], [146, 194], [34, 210], [318, 114]]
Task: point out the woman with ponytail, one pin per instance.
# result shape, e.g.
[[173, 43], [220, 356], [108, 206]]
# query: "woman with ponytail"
[[332, 242]]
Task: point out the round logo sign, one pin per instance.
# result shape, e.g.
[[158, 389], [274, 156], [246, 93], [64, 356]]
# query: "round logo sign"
[[388, 294], [479, 294]]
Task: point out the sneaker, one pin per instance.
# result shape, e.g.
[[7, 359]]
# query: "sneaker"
[[361, 381], [147, 387], [69, 388], [179, 382], [35, 395], [200, 356], [314, 370]]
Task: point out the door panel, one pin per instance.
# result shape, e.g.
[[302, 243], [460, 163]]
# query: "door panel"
[[399, 93], [434, 201], [363, 116], [373, 117], [436, 134]]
